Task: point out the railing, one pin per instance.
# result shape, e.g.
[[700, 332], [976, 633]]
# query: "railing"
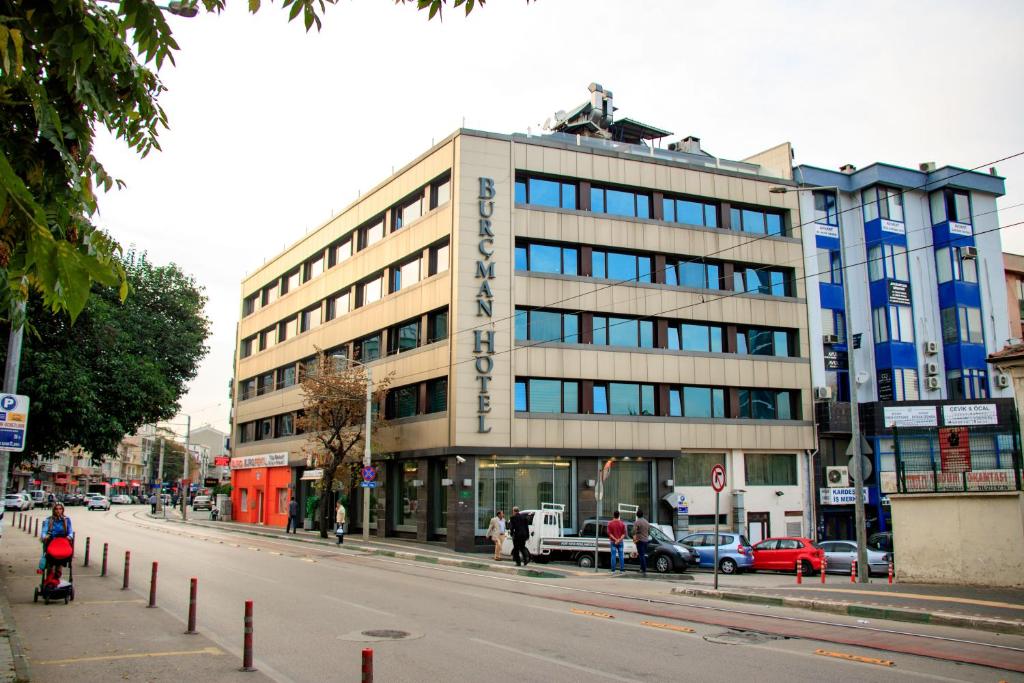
[[957, 459]]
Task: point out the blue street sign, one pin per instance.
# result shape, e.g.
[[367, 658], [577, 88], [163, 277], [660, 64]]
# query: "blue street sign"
[[13, 422], [368, 484]]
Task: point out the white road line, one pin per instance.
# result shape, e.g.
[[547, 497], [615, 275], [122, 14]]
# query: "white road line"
[[557, 662], [358, 606]]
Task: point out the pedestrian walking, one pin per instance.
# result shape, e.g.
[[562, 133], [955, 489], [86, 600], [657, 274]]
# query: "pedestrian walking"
[[496, 532], [519, 527], [339, 517], [53, 526], [641, 536], [293, 516], [152, 503], [616, 536]]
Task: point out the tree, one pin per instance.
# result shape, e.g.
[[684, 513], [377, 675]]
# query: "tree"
[[121, 366], [334, 420]]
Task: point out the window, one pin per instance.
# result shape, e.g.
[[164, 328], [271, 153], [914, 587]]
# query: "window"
[[758, 341], [620, 202], [438, 259], [285, 376], [246, 432], [401, 402], [882, 202], [904, 384], [696, 402], [770, 469], [615, 265], [762, 281], [757, 222], [338, 305], [372, 290], [830, 266], [367, 349], [825, 209], [962, 324], [950, 205], [834, 322], [314, 267], [694, 337], [543, 192], [265, 383], [620, 398], [339, 251], [268, 338], [311, 318], [693, 274], [284, 425], [291, 281], [900, 326], [407, 212], [888, 261], [547, 326], [271, 292], [690, 212], [247, 389], [405, 275], [264, 429], [371, 233], [440, 191], [547, 396], [951, 264], [628, 332], [547, 258], [404, 337], [287, 329], [966, 384], [437, 395], [249, 304], [694, 469], [769, 404], [245, 347], [437, 326]]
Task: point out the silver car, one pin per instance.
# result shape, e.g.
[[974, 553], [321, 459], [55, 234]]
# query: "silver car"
[[841, 554]]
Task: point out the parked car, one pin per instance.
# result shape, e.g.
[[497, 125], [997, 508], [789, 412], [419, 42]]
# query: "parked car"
[[841, 554], [881, 541], [202, 503], [663, 554], [98, 502], [38, 497], [15, 501], [782, 554], [734, 551], [73, 499], [121, 499], [29, 501]]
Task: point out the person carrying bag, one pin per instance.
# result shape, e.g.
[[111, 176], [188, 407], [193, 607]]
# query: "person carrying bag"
[[339, 517]]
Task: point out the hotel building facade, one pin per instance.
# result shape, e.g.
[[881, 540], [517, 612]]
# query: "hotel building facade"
[[545, 304]]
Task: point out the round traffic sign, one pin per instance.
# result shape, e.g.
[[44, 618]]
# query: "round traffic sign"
[[718, 478], [369, 473]]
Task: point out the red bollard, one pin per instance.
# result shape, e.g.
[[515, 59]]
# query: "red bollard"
[[824, 564], [247, 640], [152, 588], [127, 565], [192, 606], [36, 532], [367, 665], [853, 572], [103, 569], [890, 572], [799, 573]]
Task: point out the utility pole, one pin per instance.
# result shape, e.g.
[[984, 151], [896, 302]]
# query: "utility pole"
[[185, 483], [11, 368], [160, 480], [366, 453]]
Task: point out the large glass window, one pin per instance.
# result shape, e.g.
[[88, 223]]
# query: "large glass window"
[[767, 342], [769, 404], [762, 281], [697, 274], [373, 289], [437, 326], [547, 396], [690, 212], [900, 326], [368, 348], [543, 192], [696, 402], [962, 324], [438, 258], [620, 202], [525, 483], [405, 275], [401, 401], [623, 332], [547, 326], [950, 205], [966, 384], [614, 265], [408, 212], [404, 337], [904, 384], [405, 503], [339, 251], [285, 376], [437, 395], [952, 264], [694, 469], [757, 222], [825, 209], [888, 261], [629, 482], [291, 281], [315, 267], [338, 305], [695, 337], [440, 192], [621, 398], [284, 425], [371, 233], [311, 318], [547, 258], [882, 202], [770, 469], [830, 266]]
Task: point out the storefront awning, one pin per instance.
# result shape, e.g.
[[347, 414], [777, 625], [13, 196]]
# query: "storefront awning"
[[312, 475]]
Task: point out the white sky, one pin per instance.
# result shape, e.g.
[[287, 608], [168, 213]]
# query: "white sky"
[[273, 129]]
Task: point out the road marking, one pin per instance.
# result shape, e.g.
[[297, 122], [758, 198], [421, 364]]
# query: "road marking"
[[911, 596], [110, 602], [668, 627], [854, 658], [591, 613], [358, 606], [139, 655], [552, 660]]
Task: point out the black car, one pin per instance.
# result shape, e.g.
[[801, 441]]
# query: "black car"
[[663, 554]]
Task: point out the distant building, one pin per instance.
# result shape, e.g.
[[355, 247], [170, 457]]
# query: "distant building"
[[1014, 267]]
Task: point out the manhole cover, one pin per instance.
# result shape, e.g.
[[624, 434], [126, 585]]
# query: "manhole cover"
[[733, 637], [389, 634], [377, 635]]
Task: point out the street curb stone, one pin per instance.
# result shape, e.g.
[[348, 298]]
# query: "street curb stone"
[[994, 625], [22, 672]]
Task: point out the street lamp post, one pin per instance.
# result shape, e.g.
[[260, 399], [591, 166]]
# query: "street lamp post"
[[855, 435]]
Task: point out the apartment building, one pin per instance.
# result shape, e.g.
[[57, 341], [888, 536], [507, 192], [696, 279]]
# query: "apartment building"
[[1013, 265], [923, 267], [547, 304]]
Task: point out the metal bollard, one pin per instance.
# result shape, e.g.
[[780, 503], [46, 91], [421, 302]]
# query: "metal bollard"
[[152, 588], [103, 569], [890, 572], [799, 573], [824, 564], [853, 572], [36, 532], [247, 639], [88, 540], [367, 665], [127, 566], [193, 587]]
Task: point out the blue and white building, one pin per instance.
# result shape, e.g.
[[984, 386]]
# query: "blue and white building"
[[927, 305]]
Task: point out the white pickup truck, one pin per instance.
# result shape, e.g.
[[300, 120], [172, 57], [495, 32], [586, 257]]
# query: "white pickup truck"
[[548, 541]]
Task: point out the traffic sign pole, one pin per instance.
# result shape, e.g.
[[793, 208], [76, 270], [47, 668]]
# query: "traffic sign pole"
[[717, 483], [717, 496]]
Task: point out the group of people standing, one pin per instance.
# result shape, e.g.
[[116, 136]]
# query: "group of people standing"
[[518, 526]]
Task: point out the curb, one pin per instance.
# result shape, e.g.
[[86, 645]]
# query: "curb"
[[991, 624], [397, 554], [22, 672]]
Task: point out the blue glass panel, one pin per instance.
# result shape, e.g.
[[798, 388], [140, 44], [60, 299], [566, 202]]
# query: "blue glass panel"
[[544, 192], [711, 215], [675, 404], [695, 337], [668, 208], [691, 212], [718, 402], [596, 200], [521, 325], [760, 342], [783, 406], [781, 343], [741, 342], [774, 223], [568, 196], [738, 282], [644, 267], [597, 264], [671, 274], [716, 339], [673, 337], [520, 397], [778, 283], [570, 397], [697, 401], [713, 276], [753, 221], [624, 399], [571, 323], [545, 396], [600, 330], [691, 274], [570, 258], [643, 206], [622, 332], [620, 203], [600, 399], [734, 216], [521, 258], [762, 404], [520, 192], [647, 334], [545, 326], [647, 399], [621, 266], [545, 259]]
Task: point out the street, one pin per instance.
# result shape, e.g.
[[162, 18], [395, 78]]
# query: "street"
[[313, 605]]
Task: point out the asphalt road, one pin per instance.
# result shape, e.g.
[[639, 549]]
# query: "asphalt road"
[[313, 605]]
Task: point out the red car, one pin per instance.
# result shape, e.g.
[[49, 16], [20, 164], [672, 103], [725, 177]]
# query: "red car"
[[782, 554]]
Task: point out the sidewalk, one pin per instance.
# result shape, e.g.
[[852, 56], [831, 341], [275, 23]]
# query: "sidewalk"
[[86, 639]]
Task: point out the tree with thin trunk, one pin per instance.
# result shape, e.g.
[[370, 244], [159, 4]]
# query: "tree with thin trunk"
[[334, 421]]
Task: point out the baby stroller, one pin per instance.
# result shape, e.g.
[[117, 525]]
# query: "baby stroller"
[[59, 552]]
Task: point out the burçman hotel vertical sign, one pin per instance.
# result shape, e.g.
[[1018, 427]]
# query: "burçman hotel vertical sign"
[[483, 340]]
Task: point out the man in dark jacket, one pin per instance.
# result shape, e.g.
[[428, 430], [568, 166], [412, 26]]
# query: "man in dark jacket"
[[519, 527], [293, 516]]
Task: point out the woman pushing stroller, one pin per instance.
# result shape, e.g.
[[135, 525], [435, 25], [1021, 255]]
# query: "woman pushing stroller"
[[54, 526]]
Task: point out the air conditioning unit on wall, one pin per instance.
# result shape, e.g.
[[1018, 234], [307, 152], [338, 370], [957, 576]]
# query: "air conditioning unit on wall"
[[830, 339], [931, 368], [933, 382], [823, 393], [837, 476], [1002, 381], [931, 347]]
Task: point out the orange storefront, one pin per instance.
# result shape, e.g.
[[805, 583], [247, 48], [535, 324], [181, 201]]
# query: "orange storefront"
[[260, 489]]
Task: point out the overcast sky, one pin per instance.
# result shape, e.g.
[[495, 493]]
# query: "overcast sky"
[[272, 130]]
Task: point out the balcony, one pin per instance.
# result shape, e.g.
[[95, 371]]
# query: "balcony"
[[832, 417]]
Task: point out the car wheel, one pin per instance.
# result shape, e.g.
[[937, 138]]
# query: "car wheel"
[[727, 566], [663, 564], [807, 567], [585, 561]]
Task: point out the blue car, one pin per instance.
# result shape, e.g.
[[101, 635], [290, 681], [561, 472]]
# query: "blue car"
[[734, 552]]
